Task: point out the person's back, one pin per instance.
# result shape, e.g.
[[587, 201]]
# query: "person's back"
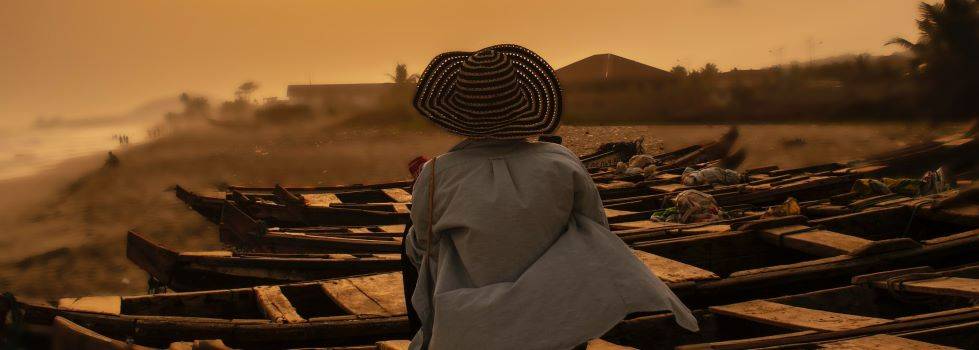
[[509, 237], [512, 197]]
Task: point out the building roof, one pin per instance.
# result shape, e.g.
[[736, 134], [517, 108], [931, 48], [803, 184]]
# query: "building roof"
[[609, 67]]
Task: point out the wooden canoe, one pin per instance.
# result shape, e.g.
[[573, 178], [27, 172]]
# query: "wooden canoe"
[[936, 313], [67, 335], [918, 304], [349, 311], [185, 271], [753, 259], [246, 234]]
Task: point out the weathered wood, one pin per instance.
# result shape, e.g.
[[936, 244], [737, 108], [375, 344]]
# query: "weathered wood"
[[381, 294], [398, 195], [816, 242], [672, 271], [400, 344], [101, 304], [952, 286], [598, 344], [882, 342], [67, 335], [321, 199], [793, 317], [275, 305]]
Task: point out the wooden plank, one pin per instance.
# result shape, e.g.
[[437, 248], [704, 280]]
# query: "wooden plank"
[[793, 317], [393, 344], [951, 286], [668, 188], [672, 271], [401, 208], [598, 344], [275, 305], [611, 213], [360, 230], [397, 195], [321, 199], [208, 253], [882, 342], [817, 242], [381, 294], [392, 228], [104, 305]]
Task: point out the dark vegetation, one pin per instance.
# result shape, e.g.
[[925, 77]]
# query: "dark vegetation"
[[935, 80]]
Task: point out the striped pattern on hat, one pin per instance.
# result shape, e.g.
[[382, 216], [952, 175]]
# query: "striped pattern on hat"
[[503, 91]]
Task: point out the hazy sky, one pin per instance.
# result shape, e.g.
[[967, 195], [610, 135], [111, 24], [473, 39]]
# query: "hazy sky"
[[78, 57]]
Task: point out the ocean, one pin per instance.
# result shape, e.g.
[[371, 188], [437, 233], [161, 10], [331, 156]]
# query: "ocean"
[[26, 151]]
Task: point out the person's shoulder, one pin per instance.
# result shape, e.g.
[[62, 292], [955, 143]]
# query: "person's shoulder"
[[557, 153]]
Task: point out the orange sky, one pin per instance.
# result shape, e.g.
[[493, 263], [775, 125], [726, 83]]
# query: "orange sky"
[[78, 57]]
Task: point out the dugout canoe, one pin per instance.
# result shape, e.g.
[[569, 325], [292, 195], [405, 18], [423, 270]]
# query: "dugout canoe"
[[914, 308], [239, 230], [349, 311], [918, 305], [753, 259], [67, 335], [187, 271]]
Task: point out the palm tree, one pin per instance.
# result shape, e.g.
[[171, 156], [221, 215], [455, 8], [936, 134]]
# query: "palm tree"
[[401, 76], [946, 56]]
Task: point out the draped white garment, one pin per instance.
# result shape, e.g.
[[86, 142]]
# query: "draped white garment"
[[523, 257]]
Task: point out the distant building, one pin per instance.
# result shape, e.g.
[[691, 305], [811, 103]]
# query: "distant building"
[[609, 69], [606, 86], [336, 98]]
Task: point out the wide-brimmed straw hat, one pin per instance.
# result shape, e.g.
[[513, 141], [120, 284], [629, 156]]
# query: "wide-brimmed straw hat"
[[503, 91]]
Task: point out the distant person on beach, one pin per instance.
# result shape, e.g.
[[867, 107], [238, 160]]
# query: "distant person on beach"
[[509, 236], [111, 161]]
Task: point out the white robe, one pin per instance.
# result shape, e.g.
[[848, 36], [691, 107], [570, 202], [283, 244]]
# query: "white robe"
[[523, 256]]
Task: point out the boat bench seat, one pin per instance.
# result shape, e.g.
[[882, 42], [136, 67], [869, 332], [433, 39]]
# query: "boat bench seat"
[[381, 295], [397, 195], [672, 271], [882, 342], [321, 199], [817, 242], [98, 304], [275, 305], [794, 317], [947, 286]]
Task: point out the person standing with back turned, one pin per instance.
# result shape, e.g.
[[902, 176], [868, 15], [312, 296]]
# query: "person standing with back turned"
[[510, 237]]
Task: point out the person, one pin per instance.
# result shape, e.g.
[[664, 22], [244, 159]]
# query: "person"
[[509, 236]]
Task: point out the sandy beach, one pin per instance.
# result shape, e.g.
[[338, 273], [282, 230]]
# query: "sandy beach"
[[63, 229]]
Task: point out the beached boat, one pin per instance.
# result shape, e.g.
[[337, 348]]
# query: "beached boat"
[[751, 259], [275, 202], [768, 187], [241, 231], [350, 311], [67, 335], [915, 308], [184, 271]]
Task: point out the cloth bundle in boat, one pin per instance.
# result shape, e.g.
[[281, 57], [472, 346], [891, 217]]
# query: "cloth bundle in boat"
[[711, 175], [693, 206], [524, 258], [503, 91]]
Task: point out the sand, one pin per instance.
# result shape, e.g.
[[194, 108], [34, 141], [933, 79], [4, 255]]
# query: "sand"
[[63, 230]]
